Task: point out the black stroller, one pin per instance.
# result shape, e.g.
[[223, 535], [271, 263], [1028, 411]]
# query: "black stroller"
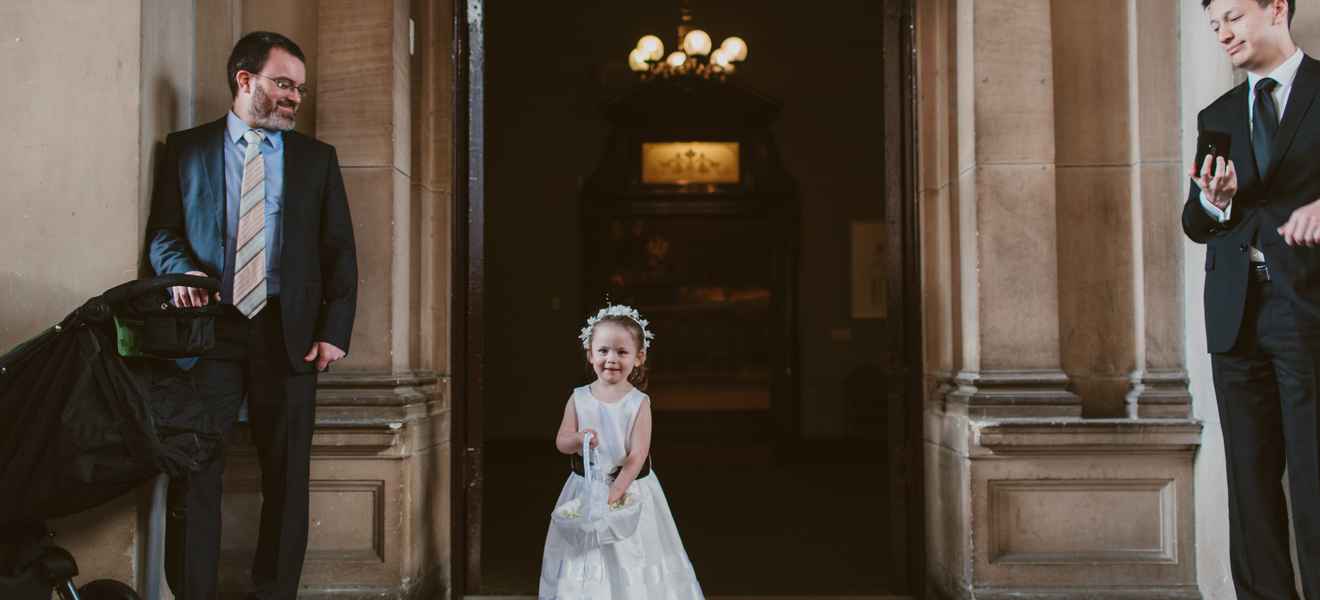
[[91, 411]]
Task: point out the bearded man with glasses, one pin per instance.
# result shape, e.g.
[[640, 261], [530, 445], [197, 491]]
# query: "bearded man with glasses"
[[248, 200]]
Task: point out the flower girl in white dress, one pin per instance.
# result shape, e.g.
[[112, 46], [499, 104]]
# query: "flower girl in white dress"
[[649, 564]]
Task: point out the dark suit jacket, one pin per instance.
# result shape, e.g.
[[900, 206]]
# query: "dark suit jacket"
[[318, 262], [1260, 208]]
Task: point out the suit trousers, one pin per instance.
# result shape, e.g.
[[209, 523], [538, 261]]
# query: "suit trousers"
[[249, 360], [1266, 387]]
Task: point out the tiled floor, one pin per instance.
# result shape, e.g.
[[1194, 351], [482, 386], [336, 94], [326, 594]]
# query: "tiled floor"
[[753, 523]]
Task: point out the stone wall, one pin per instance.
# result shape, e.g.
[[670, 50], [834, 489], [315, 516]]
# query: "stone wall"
[[1053, 343]]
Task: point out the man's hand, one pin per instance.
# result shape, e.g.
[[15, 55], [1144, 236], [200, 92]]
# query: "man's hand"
[[1303, 226], [191, 297], [1217, 180], [323, 353]]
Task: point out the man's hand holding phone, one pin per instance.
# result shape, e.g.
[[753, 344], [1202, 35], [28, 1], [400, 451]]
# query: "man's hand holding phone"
[[1217, 179]]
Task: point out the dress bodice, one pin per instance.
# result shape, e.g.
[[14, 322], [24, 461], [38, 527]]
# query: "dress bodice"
[[613, 422]]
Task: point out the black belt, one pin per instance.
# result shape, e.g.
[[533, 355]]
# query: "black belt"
[[1260, 272], [575, 462]]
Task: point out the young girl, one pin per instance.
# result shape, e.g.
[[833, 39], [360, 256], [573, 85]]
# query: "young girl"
[[651, 563]]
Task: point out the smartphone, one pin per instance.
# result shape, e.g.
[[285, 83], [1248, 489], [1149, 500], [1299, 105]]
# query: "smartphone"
[[1215, 143]]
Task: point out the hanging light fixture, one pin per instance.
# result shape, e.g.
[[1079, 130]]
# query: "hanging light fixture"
[[693, 56]]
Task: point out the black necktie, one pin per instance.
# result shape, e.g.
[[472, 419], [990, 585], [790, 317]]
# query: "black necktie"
[[1264, 124]]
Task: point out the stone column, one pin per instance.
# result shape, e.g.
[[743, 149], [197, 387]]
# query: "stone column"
[[1010, 364], [1051, 148], [1095, 137], [364, 110], [1119, 250], [432, 195], [1159, 383], [937, 178]]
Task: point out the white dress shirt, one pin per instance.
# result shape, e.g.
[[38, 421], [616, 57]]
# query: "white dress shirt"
[[1284, 76]]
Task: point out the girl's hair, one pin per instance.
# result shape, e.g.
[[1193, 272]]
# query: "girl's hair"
[[638, 376]]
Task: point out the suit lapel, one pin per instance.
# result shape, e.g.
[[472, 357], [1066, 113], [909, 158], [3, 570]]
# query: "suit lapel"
[[295, 171], [1299, 102], [213, 162], [1244, 159]]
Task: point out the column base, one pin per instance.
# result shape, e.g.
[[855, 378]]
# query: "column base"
[[1159, 394], [1045, 508], [378, 528], [1007, 394]]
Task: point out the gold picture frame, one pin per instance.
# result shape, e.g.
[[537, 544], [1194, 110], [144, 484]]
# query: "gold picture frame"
[[683, 163]]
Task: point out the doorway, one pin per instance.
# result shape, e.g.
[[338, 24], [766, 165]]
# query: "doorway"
[[829, 505]]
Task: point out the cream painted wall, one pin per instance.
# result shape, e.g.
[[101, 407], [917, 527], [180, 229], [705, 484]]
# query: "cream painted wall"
[[1206, 74], [71, 195], [92, 87], [71, 171]]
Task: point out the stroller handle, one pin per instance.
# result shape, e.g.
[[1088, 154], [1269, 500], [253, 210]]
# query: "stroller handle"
[[132, 289]]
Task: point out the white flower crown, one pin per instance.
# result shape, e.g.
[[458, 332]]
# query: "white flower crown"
[[617, 310]]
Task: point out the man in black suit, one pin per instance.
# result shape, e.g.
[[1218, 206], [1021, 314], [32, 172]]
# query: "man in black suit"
[[1258, 214], [261, 207]]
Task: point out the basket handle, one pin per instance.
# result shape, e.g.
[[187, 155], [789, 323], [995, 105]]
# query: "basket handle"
[[586, 456]]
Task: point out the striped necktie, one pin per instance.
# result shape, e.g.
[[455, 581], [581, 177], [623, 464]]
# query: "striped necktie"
[[250, 275]]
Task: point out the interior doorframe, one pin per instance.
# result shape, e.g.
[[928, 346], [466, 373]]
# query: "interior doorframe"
[[467, 295], [467, 335], [905, 170]]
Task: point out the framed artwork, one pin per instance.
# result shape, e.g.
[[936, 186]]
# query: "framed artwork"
[[683, 163]]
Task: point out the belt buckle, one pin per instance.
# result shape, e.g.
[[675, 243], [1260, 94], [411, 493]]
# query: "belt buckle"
[[1260, 271]]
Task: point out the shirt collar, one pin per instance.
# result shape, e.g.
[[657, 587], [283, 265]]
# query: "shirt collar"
[[235, 128], [1284, 74]]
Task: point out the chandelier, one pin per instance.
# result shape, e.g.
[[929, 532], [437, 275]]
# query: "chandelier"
[[693, 57]]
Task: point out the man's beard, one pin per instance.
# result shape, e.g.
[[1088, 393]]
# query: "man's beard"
[[265, 111]]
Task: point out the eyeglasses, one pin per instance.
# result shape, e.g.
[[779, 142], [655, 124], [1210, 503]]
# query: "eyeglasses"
[[285, 84]]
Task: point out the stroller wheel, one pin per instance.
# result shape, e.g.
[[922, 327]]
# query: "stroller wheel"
[[107, 589]]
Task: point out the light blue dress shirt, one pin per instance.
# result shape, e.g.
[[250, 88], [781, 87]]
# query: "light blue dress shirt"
[[272, 152]]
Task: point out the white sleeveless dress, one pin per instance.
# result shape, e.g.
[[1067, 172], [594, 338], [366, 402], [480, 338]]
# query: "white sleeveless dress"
[[649, 565]]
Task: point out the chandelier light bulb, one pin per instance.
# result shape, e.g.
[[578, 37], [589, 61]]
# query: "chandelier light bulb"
[[720, 58], [695, 57], [637, 60], [651, 47], [735, 48], [696, 43]]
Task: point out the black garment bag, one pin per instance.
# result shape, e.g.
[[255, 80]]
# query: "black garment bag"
[[92, 408]]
